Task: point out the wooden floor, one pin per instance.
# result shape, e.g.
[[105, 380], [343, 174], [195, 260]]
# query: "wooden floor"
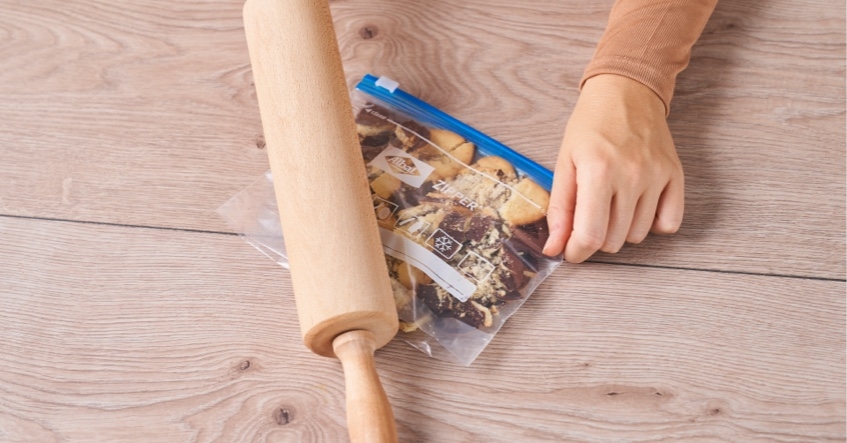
[[129, 312]]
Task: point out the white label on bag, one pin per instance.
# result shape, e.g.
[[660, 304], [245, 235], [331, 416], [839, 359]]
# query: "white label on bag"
[[420, 257], [406, 168]]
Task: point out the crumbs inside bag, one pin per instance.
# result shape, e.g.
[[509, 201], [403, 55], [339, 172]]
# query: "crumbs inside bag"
[[462, 228], [462, 231]]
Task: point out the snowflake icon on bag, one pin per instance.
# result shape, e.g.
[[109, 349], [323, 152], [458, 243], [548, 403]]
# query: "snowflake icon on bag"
[[443, 244]]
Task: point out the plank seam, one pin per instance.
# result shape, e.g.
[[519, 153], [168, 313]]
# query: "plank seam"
[[602, 262]]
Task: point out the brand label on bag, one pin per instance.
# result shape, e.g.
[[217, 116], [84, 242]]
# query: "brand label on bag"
[[404, 167]]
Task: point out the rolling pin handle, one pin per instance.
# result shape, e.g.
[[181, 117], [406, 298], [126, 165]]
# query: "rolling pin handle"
[[369, 415]]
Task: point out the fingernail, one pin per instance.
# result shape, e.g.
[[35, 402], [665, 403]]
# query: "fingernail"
[[550, 244]]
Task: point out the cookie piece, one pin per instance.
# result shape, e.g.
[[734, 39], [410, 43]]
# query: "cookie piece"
[[479, 188], [455, 152], [497, 167], [419, 222], [402, 295], [410, 276], [527, 205], [382, 184]]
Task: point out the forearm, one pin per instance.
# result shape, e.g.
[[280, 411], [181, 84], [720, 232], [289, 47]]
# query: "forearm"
[[650, 41]]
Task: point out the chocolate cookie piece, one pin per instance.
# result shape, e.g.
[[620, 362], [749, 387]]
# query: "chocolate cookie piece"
[[409, 196], [478, 227], [444, 305], [374, 115], [525, 253], [374, 132], [372, 146], [454, 225], [411, 136], [513, 274], [533, 234]]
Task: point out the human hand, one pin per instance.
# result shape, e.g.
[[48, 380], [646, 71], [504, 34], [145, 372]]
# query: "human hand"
[[618, 176]]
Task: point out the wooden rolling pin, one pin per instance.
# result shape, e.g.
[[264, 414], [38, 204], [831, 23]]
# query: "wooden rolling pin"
[[341, 287]]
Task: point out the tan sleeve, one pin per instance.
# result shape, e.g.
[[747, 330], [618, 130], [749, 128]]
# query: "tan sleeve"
[[650, 41]]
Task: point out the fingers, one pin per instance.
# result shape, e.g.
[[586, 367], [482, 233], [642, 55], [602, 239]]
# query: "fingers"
[[561, 209], [645, 215], [591, 216], [622, 178], [670, 207], [607, 216], [603, 218], [620, 220]]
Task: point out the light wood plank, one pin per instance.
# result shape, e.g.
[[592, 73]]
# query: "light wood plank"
[[128, 334], [145, 113], [758, 117], [141, 113]]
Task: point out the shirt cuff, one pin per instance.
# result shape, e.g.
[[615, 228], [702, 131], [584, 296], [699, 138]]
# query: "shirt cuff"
[[645, 74]]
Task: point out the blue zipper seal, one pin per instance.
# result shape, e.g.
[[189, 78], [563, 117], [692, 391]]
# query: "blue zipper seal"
[[427, 113]]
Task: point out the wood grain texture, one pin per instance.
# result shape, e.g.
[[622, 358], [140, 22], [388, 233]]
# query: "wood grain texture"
[[145, 114], [149, 335], [140, 114]]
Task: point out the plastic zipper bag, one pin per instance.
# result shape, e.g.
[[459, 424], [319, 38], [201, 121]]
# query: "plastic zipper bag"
[[461, 218]]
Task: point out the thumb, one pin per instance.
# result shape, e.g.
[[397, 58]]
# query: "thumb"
[[561, 208]]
